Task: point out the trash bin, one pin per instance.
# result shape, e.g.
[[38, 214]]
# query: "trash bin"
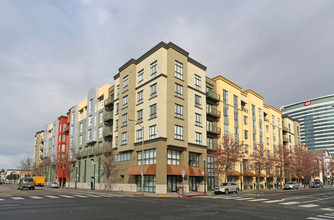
[[184, 191]]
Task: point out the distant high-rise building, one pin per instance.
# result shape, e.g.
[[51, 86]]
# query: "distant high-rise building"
[[316, 118]]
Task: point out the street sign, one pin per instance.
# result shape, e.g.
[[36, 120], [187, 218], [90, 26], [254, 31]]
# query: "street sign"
[[183, 172], [96, 174], [275, 178]]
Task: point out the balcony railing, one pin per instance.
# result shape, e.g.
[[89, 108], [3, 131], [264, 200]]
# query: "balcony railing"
[[109, 101], [213, 145], [243, 108], [285, 140], [213, 95], [107, 132], [214, 130], [108, 116], [213, 111], [266, 120], [66, 128], [285, 129]]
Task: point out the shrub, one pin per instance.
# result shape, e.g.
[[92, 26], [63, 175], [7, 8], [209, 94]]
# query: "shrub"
[[245, 187], [209, 188], [261, 185], [168, 189], [251, 186]]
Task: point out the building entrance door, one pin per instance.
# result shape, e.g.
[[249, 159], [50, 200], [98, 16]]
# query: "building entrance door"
[[194, 183], [173, 182]]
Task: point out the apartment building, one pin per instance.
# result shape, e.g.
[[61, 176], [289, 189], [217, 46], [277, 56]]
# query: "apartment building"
[[38, 148], [246, 118], [291, 132]]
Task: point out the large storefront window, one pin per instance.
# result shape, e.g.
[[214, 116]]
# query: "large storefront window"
[[149, 183], [212, 173], [193, 160], [149, 157], [173, 182], [173, 157]]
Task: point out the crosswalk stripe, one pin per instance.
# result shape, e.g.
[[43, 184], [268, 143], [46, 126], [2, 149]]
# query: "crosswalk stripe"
[[81, 196], [315, 218], [244, 198], [1, 199], [273, 201], [17, 198], [328, 209], [230, 197], [52, 197], [308, 206], [67, 196], [95, 196], [289, 203], [35, 197], [323, 216], [257, 200], [332, 214]]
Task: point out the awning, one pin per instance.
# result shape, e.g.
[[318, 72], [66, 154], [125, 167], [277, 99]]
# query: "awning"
[[136, 170], [176, 170], [261, 175], [233, 173], [196, 171], [294, 177], [248, 174]]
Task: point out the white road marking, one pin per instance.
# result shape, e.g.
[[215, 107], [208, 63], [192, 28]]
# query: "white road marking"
[[245, 198], [325, 216], [257, 200], [95, 196], [35, 197], [67, 196], [52, 197], [273, 201], [230, 197], [1, 199], [289, 203], [332, 214], [81, 196], [328, 209], [308, 206], [315, 218], [17, 198]]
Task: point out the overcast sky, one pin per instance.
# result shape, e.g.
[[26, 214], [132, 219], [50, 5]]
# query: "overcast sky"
[[53, 52]]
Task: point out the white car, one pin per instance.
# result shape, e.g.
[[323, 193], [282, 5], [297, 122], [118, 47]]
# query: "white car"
[[53, 185], [227, 188]]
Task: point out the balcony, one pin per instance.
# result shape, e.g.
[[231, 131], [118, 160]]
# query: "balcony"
[[285, 129], [266, 120], [213, 145], [109, 102], [66, 128], [107, 132], [243, 108], [108, 116], [214, 130], [285, 140], [213, 112], [213, 96]]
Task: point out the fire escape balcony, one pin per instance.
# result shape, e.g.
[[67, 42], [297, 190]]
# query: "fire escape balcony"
[[108, 116], [107, 132], [214, 130], [213, 112], [213, 96], [109, 101]]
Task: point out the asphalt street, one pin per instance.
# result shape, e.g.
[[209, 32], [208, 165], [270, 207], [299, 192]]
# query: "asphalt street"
[[44, 203]]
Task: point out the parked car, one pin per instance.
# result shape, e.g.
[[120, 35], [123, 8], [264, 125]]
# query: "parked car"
[[26, 182], [53, 185], [227, 188], [291, 185], [317, 185]]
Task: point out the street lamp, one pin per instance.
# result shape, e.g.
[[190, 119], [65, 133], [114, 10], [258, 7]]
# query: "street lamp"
[[204, 178], [142, 155], [241, 174], [76, 175]]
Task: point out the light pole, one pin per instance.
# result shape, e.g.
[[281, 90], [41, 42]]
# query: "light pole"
[[204, 178], [241, 175], [76, 175], [142, 155], [93, 163]]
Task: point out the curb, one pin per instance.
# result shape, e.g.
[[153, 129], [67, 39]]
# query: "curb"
[[195, 195]]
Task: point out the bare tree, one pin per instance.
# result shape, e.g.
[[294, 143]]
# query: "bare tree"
[[284, 161], [108, 166], [259, 162], [26, 164], [229, 152]]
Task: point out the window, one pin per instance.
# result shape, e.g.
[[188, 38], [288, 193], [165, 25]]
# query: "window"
[[226, 129], [178, 90], [236, 116], [101, 103], [178, 132], [268, 153], [236, 132], [101, 117], [117, 93], [178, 70], [125, 119], [81, 114], [198, 101], [289, 125], [173, 157], [140, 77], [100, 132], [289, 138], [246, 149], [254, 124], [125, 101], [225, 96], [178, 111], [149, 157], [116, 141], [267, 128], [260, 113], [273, 119], [235, 101], [245, 120], [198, 119], [139, 136], [123, 157], [246, 134], [149, 183], [153, 89], [90, 105], [197, 82], [117, 108], [116, 125], [153, 111], [89, 134], [198, 138], [124, 138], [225, 109], [140, 97], [279, 122], [253, 111], [125, 83], [90, 120], [81, 127], [140, 116], [152, 132], [268, 141], [193, 160], [80, 139], [153, 69]]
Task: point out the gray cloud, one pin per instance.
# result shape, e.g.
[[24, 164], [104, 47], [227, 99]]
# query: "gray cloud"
[[53, 52]]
